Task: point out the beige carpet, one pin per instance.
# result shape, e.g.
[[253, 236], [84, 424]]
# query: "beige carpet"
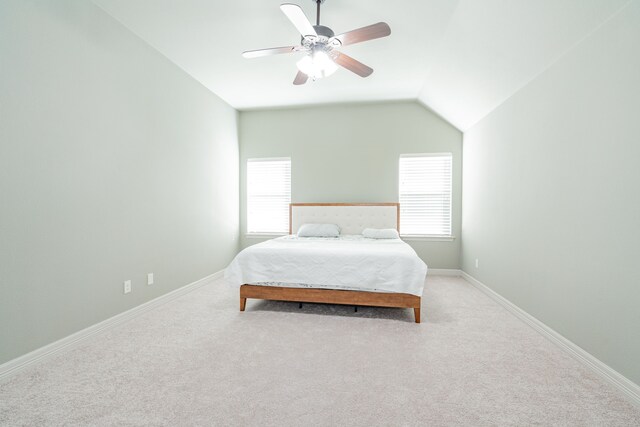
[[199, 361]]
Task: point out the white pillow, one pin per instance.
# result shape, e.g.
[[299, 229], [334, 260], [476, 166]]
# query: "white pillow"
[[319, 230], [380, 233]]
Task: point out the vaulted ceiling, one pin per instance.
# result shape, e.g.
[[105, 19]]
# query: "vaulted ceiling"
[[461, 58]]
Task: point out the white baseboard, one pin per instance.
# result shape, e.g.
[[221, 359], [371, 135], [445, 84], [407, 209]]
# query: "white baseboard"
[[616, 379], [444, 272], [16, 365]]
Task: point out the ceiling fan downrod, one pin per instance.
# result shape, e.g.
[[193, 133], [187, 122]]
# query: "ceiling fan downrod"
[[318, 3]]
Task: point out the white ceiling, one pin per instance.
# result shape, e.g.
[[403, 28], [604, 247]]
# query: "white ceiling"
[[461, 58]]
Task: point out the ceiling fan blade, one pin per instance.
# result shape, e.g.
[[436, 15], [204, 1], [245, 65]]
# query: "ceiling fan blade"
[[298, 18], [271, 51], [370, 32], [351, 64], [301, 78]]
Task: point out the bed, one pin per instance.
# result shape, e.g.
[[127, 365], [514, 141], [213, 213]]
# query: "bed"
[[349, 269]]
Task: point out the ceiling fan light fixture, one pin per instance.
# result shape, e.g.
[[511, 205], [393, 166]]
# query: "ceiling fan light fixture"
[[317, 65]]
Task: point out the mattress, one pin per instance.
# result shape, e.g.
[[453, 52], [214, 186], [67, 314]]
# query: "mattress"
[[347, 262]]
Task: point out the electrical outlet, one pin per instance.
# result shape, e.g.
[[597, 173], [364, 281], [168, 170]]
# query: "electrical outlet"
[[127, 286], [476, 262], [150, 279]]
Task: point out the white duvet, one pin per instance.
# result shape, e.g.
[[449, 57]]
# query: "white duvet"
[[347, 262]]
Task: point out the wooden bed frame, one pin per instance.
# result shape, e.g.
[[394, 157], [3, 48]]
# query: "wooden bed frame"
[[330, 296]]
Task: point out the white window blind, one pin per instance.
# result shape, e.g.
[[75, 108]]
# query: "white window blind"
[[425, 194], [268, 195]]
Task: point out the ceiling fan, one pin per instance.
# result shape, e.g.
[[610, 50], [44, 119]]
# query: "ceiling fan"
[[319, 44]]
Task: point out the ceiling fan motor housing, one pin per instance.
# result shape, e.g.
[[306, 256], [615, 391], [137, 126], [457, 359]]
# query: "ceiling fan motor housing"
[[324, 31]]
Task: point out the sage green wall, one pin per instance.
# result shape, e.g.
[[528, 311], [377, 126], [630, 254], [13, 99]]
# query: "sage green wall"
[[349, 153], [552, 195], [113, 163]]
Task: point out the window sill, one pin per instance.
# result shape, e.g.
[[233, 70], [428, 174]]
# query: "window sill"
[[264, 235], [428, 238]]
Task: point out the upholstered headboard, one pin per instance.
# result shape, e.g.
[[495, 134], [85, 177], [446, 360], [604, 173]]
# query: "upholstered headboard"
[[351, 217]]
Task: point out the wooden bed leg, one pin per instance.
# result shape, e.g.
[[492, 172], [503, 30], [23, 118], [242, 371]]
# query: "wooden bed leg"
[[416, 313], [243, 303]]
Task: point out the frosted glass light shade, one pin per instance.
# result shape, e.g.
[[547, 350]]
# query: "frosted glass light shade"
[[317, 65]]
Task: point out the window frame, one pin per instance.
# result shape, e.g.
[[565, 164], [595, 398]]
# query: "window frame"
[[429, 237], [263, 234]]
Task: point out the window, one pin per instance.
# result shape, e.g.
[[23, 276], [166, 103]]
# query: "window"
[[268, 195], [425, 194]]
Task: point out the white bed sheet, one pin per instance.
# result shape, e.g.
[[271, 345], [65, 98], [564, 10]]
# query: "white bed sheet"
[[347, 262]]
